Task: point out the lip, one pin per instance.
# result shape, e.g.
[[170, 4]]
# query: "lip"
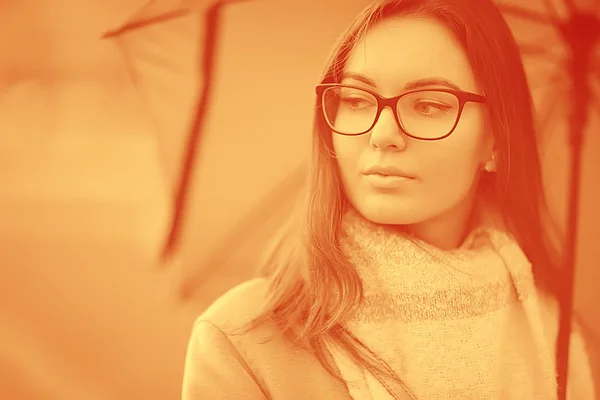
[[387, 170], [387, 181]]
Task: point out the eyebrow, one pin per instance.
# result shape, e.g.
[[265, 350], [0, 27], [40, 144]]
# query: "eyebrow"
[[426, 82]]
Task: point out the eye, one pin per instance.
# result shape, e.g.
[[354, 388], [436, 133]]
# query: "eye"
[[353, 99], [431, 109], [355, 102]]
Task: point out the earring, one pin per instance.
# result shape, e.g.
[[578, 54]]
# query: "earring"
[[490, 166]]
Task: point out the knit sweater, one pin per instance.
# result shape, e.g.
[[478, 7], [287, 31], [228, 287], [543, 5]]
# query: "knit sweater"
[[462, 324]]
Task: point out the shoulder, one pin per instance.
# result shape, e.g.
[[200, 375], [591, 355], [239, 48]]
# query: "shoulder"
[[212, 353], [262, 356], [238, 305], [215, 367]]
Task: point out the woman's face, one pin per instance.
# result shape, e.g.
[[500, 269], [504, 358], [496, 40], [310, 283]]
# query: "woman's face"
[[394, 55]]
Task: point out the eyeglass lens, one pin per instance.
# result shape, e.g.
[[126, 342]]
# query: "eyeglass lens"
[[426, 114]]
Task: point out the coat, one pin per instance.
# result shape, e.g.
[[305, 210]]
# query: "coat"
[[222, 366]]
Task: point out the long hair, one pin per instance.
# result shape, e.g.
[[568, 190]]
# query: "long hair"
[[313, 288]]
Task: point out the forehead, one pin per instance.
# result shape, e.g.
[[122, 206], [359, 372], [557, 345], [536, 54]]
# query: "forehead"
[[399, 50]]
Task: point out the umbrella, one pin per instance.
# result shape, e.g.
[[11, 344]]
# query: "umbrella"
[[189, 97], [178, 59], [577, 31], [200, 59], [568, 65]]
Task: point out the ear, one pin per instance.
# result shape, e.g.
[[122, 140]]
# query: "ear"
[[491, 164], [489, 154], [488, 147], [489, 138]]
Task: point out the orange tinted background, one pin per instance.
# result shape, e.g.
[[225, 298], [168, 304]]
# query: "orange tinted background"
[[89, 157]]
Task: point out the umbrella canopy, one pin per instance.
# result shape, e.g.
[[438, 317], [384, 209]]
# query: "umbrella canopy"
[[560, 42], [254, 146], [83, 207], [252, 140]]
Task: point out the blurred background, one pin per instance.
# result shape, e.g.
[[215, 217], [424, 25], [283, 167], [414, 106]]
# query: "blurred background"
[[92, 137]]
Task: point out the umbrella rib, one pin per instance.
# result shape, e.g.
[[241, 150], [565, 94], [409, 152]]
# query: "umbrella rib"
[[213, 20], [595, 96], [544, 121], [542, 81], [552, 10], [208, 66], [538, 51], [596, 104], [529, 15], [162, 18], [226, 2], [571, 6], [146, 22]]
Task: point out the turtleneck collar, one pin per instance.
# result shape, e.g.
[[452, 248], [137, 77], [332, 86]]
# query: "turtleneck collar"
[[397, 269], [485, 220]]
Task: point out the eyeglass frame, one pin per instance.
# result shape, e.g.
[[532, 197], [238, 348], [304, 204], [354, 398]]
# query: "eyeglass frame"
[[392, 102]]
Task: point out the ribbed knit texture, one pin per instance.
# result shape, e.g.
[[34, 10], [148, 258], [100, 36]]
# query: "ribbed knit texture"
[[461, 324]]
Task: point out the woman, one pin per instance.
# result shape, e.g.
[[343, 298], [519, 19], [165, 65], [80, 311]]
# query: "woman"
[[421, 267]]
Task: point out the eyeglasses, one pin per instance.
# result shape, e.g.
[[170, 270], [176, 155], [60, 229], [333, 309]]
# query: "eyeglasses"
[[425, 114]]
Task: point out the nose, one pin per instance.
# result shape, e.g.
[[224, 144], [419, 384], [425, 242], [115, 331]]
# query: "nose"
[[386, 134]]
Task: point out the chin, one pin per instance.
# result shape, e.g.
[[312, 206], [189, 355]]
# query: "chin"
[[389, 212]]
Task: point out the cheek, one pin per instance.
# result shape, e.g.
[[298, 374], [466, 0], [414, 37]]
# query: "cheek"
[[465, 147], [451, 160], [453, 164], [347, 151]]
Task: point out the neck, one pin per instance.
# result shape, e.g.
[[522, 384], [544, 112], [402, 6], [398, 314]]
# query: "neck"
[[448, 230]]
